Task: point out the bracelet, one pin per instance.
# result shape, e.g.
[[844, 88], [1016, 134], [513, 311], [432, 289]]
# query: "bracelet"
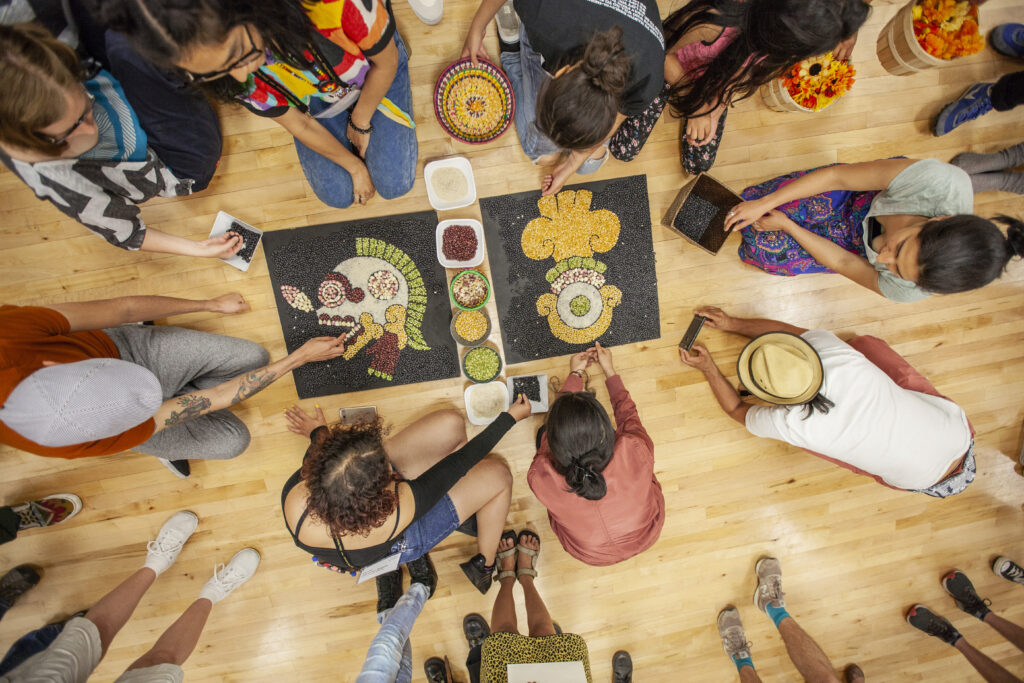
[[579, 373], [364, 131]]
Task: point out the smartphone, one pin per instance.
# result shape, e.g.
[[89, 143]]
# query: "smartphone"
[[691, 332], [351, 416]]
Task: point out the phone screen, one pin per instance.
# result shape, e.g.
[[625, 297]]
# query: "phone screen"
[[691, 332], [351, 416]]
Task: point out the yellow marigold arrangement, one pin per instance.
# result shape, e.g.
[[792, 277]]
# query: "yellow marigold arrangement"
[[947, 29], [818, 82]]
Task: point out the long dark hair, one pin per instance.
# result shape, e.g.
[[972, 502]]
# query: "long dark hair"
[[163, 32], [819, 404], [349, 479], [577, 110], [964, 252], [773, 36], [581, 439]]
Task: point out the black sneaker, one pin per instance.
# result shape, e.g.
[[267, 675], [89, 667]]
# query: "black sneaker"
[[436, 671], [422, 570], [1008, 569], [960, 587], [475, 628], [622, 667], [479, 574], [923, 619], [16, 583], [389, 590], [179, 468]]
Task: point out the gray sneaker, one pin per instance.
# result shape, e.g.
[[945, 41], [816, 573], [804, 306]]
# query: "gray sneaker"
[[734, 640], [769, 584], [508, 23], [1008, 569]]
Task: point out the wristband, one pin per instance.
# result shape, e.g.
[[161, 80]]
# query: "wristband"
[[364, 131]]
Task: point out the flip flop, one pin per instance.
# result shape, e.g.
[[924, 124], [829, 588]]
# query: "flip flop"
[[520, 548], [511, 535]]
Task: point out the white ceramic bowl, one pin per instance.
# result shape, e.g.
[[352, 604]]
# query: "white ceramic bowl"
[[473, 417], [478, 230], [540, 406], [460, 163]]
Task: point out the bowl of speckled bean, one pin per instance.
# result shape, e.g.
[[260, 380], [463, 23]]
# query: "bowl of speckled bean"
[[481, 364], [470, 290]]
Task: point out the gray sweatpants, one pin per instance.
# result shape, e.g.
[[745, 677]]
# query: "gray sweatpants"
[[186, 360]]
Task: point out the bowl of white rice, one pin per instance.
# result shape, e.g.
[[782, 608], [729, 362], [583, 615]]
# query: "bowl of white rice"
[[484, 402], [450, 183]]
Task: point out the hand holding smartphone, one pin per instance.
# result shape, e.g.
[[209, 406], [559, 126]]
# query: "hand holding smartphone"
[[362, 414], [686, 343]]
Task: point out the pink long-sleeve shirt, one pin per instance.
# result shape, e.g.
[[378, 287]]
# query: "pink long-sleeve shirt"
[[628, 520]]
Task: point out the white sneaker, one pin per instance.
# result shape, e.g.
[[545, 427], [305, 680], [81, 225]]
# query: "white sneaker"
[[227, 578], [173, 534]]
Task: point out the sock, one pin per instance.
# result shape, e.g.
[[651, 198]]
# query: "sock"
[[776, 613], [985, 163], [489, 567], [1005, 181], [741, 662]]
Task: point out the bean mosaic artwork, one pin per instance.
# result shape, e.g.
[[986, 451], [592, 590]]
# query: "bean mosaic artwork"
[[376, 283], [572, 268]]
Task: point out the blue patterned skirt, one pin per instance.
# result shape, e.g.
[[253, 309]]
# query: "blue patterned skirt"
[[838, 216]]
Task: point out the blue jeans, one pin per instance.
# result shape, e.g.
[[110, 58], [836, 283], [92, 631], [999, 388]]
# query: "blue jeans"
[[419, 537], [29, 644], [390, 655], [390, 157], [526, 72]]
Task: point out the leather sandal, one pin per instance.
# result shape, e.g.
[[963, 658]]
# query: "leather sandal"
[[520, 548], [508, 573]]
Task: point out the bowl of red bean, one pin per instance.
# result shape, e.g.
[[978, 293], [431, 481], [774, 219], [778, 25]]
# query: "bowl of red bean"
[[460, 243], [470, 290]]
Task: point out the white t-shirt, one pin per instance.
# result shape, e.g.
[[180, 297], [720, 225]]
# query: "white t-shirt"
[[907, 438]]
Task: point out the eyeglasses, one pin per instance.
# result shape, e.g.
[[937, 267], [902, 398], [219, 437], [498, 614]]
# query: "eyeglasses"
[[238, 63], [71, 131]]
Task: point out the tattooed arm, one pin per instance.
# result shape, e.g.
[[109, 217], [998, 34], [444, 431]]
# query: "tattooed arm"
[[190, 406]]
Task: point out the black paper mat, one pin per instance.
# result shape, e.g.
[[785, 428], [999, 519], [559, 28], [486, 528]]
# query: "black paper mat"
[[620, 270], [303, 260]]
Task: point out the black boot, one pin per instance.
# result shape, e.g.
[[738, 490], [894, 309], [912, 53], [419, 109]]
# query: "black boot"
[[389, 589], [475, 628], [436, 671], [622, 667], [478, 572], [421, 570]]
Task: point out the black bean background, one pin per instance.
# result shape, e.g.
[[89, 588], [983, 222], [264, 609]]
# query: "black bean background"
[[302, 256], [529, 385], [695, 216], [518, 281], [251, 240]]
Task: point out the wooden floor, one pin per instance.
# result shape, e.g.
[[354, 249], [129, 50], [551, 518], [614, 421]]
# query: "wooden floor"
[[855, 554]]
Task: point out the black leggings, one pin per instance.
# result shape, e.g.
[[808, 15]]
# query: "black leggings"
[[1008, 92]]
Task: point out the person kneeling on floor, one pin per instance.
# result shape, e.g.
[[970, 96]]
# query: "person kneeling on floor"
[[858, 404], [76, 380]]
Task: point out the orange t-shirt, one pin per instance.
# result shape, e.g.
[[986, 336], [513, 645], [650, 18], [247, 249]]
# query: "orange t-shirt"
[[30, 335]]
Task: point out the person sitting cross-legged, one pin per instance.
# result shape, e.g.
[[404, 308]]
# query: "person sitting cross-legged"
[[159, 390], [858, 404], [83, 641]]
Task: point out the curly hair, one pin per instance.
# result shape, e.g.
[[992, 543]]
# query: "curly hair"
[[348, 476]]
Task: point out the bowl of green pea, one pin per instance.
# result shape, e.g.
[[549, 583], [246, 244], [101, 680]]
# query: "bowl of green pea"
[[481, 364]]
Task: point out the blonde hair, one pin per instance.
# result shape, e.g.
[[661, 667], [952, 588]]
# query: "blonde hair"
[[40, 69]]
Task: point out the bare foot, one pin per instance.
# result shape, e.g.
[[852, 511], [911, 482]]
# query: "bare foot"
[[507, 564], [524, 561]]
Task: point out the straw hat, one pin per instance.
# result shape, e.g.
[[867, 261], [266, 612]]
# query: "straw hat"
[[780, 368]]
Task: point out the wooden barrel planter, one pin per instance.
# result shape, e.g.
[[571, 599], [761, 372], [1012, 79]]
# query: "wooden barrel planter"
[[898, 49], [777, 97]]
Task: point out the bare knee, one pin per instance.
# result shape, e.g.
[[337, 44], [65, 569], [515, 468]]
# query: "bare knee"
[[451, 420], [497, 473]]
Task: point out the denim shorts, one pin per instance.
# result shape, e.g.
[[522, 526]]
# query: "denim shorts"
[[427, 531]]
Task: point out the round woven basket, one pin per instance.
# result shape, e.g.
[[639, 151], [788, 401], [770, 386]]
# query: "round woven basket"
[[776, 96], [898, 49]]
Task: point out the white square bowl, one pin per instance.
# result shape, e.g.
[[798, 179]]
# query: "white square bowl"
[[540, 406], [478, 230], [473, 417], [221, 225], [463, 165]]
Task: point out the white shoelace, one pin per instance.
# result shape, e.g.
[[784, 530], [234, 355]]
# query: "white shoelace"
[[228, 580], [167, 543]]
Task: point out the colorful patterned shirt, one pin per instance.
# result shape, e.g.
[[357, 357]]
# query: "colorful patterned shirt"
[[350, 32]]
